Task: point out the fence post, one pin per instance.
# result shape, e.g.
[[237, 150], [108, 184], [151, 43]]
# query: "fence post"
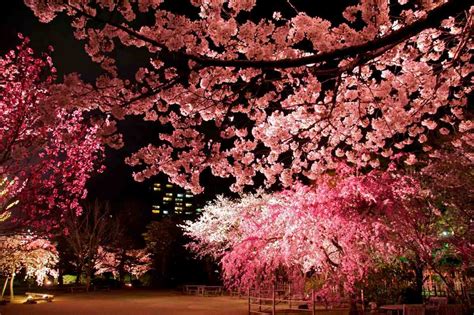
[[273, 300], [259, 300], [313, 307], [248, 295], [289, 296]]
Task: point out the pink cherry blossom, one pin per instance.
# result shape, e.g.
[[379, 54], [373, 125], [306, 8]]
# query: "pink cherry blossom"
[[270, 98]]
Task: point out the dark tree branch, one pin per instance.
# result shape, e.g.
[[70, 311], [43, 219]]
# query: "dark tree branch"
[[382, 44]]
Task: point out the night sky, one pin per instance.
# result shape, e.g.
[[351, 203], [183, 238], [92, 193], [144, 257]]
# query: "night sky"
[[116, 183]]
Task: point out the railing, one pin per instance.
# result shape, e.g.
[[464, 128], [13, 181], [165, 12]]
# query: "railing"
[[203, 290], [275, 301]]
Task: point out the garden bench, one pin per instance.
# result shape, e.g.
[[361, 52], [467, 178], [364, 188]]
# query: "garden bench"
[[32, 298]]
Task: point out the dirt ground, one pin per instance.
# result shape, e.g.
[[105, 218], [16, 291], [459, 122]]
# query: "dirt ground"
[[129, 302]]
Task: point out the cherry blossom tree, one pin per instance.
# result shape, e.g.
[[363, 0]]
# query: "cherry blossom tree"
[[337, 231], [250, 92], [48, 149], [136, 262], [35, 256]]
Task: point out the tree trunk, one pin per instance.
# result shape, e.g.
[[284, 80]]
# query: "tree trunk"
[[5, 286], [60, 277], [88, 280], [12, 295], [79, 271], [121, 268], [418, 283]]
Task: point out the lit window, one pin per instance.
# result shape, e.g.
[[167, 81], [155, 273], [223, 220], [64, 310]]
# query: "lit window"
[[155, 211], [156, 185], [179, 199], [165, 212], [169, 194], [180, 195], [156, 206], [178, 208], [189, 205], [156, 188], [187, 212], [167, 198], [198, 209], [169, 186], [189, 196]]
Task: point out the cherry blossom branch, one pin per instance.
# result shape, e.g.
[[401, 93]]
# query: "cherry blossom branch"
[[382, 44]]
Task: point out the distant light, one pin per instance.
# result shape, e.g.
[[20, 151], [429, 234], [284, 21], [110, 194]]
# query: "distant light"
[[128, 284], [446, 233], [48, 282]]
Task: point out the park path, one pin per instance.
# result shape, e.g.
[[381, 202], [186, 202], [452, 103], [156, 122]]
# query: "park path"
[[131, 303]]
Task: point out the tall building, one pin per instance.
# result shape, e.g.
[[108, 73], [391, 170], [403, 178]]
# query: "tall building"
[[169, 199]]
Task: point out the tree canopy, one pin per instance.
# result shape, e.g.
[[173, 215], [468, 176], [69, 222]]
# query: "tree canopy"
[[266, 96]]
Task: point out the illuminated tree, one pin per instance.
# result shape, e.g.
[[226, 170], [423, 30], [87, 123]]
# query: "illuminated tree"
[[47, 148], [248, 91], [136, 262], [35, 256], [337, 231]]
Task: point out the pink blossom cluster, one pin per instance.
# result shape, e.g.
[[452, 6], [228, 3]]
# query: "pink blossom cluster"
[[335, 231], [136, 262], [35, 256], [277, 109], [48, 150]]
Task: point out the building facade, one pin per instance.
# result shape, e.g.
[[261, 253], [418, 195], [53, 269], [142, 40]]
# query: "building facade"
[[172, 200]]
